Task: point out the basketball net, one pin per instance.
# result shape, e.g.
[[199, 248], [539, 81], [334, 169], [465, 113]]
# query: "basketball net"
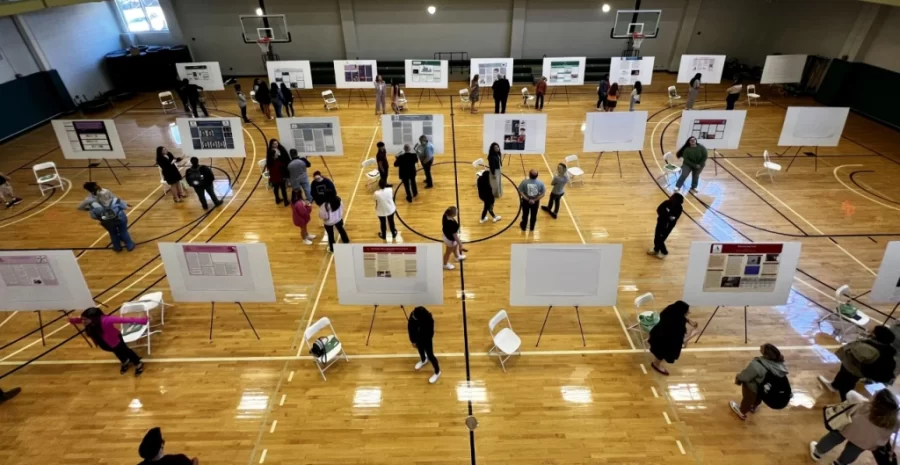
[[637, 38], [264, 45]]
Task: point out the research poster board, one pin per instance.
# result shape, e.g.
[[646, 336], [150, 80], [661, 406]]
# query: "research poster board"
[[783, 69], [738, 274], [615, 131], [205, 74], [564, 274], [813, 126], [709, 66], [397, 130], [211, 137], [85, 139], [42, 280], [628, 70], [294, 74], [389, 274], [516, 133], [714, 129], [886, 289], [566, 71], [218, 272], [311, 136], [490, 70], [355, 74], [426, 74]]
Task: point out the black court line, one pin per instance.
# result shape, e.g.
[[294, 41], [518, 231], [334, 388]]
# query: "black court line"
[[853, 179], [29, 209]]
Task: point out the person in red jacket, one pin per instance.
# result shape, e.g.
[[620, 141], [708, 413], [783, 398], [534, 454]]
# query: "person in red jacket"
[[277, 160], [300, 211], [102, 330]]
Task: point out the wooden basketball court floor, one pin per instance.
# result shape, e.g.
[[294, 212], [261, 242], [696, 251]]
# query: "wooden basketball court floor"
[[236, 399]]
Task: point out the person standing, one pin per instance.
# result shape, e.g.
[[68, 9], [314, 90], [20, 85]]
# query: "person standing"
[[670, 335], [425, 152], [495, 161], [557, 190], [300, 211], [694, 157], [192, 92], [7, 195], [474, 93], [395, 98], [201, 178], [109, 210], [277, 160], [322, 188], [501, 94], [531, 191], [486, 194], [450, 236], [264, 98], [6, 395], [406, 164], [385, 208], [152, 451], [539, 90], [332, 212], [693, 91], [297, 173], [277, 100], [751, 379], [602, 92], [242, 102], [420, 327], [733, 93], [381, 160], [181, 90], [667, 214], [168, 166], [871, 358], [635, 95], [865, 426], [287, 97], [102, 330], [612, 97], [380, 88]]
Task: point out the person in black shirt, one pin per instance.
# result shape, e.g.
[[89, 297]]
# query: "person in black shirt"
[[486, 194], [406, 162], [192, 91], [322, 188], [182, 94], [201, 178], [421, 334], [287, 98], [151, 450], [501, 93], [667, 214], [450, 235]]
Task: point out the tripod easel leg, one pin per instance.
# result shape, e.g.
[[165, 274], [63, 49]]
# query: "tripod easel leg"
[[248, 320], [326, 167], [891, 315], [619, 160], [112, 171], [372, 324], [41, 323], [543, 325], [580, 328], [707, 324], [745, 324], [212, 316], [596, 164]]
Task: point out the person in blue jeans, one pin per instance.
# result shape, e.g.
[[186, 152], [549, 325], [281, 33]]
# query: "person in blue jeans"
[[109, 210]]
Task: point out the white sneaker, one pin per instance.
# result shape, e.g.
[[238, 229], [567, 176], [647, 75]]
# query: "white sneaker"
[[812, 451], [651, 252], [449, 266], [311, 236], [482, 220], [434, 378], [307, 241], [421, 363], [695, 191], [460, 258], [826, 384], [676, 190], [497, 218]]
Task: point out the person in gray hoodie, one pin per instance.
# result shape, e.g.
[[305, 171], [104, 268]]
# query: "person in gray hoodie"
[[751, 379], [298, 177]]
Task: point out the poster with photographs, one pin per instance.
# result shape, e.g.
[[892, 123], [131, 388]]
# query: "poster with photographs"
[[489, 70], [426, 74], [714, 129], [567, 71], [628, 70], [515, 133], [709, 67], [355, 74], [736, 269]]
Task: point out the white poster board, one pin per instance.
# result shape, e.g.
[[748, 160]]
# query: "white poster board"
[[886, 289], [355, 74], [426, 74], [813, 126], [516, 133], [628, 70], [42, 280], [615, 131], [397, 130], [218, 272], [714, 129], [206, 74], [564, 274], [84, 139], [783, 69], [295, 74], [311, 136], [388, 274], [566, 71], [740, 274], [490, 69], [211, 137], [709, 66]]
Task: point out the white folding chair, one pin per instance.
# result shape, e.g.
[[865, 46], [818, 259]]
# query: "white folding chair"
[[373, 176], [155, 300], [673, 96], [642, 301], [769, 166], [846, 329], [132, 333], [670, 167], [479, 168], [264, 172], [506, 341], [527, 99], [401, 102], [463, 98], [49, 181], [167, 100], [573, 169], [330, 101], [324, 362], [752, 95]]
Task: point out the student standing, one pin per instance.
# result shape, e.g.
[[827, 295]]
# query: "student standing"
[[694, 155], [667, 214], [406, 164], [192, 91], [102, 330], [602, 93], [332, 212], [201, 178], [865, 426], [381, 160], [168, 166], [7, 195], [385, 208], [277, 160], [297, 172], [871, 358], [531, 191], [264, 98], [693, 91], [380, 88], [181, 89], [109, 210], [670, 335], [501, 94], [474, 93], [322, 188], [300, 211], [539, 90], [152, 451], [635, 95], [242, 102], [421, 334], [557, 190], [486, 194], [287, 97], [277, 100], [450, 236], [752, 377], [612, 97], [733, 93], [495, 161], [425, 152]]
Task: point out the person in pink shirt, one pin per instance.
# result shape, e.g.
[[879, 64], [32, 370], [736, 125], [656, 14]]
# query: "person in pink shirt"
[[300, 213], [101, 328]]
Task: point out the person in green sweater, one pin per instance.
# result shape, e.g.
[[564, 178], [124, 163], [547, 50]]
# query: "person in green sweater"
[[694, 156]]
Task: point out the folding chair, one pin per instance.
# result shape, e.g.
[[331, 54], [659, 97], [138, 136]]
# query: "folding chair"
[[155, 300], [769, 166], [846, 328], [643, 330], [132, 333], [527, 99], [478, 166], [670, 167], [324, 362], [373, 176], [264, 172], [574, 173], [47, 182], [330, 101], [401, 101], [752, 95], [167, 100], [506, 341], [464, 98], [673, 96]]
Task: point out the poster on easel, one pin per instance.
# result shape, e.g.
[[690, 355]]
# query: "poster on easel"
[[628, 70], [813, 126], [524, 134], [783, 69], [886, 289], [714, 129], [355, 74], [205, 74], [399, 130], [42, 280], [218, 272], [211, 137], [615, 131], [294, 74], [710, 68], [426, 74], [319, 136], [564, 274], [88, 139], [489, 70], [389, 274], [564, 71]]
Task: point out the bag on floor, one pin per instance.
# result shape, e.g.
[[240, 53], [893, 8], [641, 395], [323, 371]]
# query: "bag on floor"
[[775, 391]]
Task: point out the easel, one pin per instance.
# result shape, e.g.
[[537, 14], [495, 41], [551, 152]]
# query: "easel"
[[489, 92], [716, 165], [580, 328], [92, 165], [521, 159], [597, 163], [326, 168], [212, 315], [891, 314], [299, 98], [713, 316], [815, 156], [430, 92], [207, 97], [361, 94], [372, 324], [553, 92]]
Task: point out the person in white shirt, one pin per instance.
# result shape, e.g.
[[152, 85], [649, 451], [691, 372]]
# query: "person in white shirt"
[[385, 208]]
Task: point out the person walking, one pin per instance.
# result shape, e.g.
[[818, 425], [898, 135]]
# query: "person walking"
[[557, 190], [864, 425], [168, 167], [406, 164], [733, 93], [670, 335], [474, 94], [635, 95], [752, 378], [152, 451], [420, 327], [539, 90], [332, 212], [242, 102], [495, 162], [8, 196], [667, 214], [277, 100], [380, 88], [277, 160], [192, 92], [612, 97], [287, 97], [102, 330], [693, 91], [531, 191], [300, 212], [450, 236], [381, 160], [500, 90], [299, 177], [264, 98], [201, 178], [322, 188], [385, 208], [694, 157], [109, 210], [7, 395], [602, 92], [871, 358], [486, 194], [425, 152]]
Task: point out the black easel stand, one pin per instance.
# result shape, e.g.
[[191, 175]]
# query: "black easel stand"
[[713, 316], [430, 92], [892, 313], [372, 324], [361, 94], [553, 92], [597, 163], [212, 315], [580, 328], [521, 159], [815, 157], [92, 165]]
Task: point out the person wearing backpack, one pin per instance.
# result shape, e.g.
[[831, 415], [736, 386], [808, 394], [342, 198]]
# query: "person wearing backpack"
[[109, 210], [864, 425], [421, 334], [763, 380], [201, 178], [871, 358]]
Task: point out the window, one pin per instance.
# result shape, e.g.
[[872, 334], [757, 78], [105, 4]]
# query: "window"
[[142, 15]]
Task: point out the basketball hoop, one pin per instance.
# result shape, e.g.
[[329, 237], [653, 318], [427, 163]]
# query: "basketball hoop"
[[637, 38], [264, 43]]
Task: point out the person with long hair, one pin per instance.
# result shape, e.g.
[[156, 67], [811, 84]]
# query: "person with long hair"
[[300, 213], [612, 97], [602, 92], [694, 157], [693, 91], [168, 166], [872, 358], [287, 97], [264, 98], [751, 379], [474, 93], [109, 210], [381, 160], [870, 426], [667, 214], [395, 98], [277, 160], [277, 100], [450, 236], [421, 334], [495, 163], [733, 93], [670, 335], [152, 450], [486, 194], [380, 88], [332, 214], [385, 208], [635, 94], [557, 190], [102, 330]]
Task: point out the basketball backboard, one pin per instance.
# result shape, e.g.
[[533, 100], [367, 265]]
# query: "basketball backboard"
[[630, 21], [273, 27]]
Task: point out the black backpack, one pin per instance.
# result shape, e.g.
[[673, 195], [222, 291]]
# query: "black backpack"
[[109, 218], [882, 369], [318, 348], [194, 177], [775, 391]]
